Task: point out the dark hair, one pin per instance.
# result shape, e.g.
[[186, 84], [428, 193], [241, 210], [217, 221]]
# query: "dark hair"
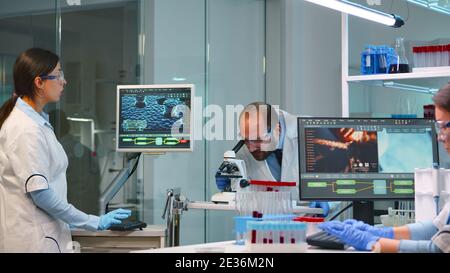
[[32, 63], [442, 98]]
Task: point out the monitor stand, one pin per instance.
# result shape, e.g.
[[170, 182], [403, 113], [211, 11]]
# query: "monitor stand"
[[363, 211]]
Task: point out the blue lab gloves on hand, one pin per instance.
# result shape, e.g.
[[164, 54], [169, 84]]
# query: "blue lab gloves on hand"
[[384, 232], [350, 235], [323, 205], [113, 217]]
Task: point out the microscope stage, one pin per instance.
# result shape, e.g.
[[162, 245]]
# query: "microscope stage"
[[224, 197]]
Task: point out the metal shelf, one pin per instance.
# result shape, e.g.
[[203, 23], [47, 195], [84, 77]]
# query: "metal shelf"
[[399, 76], [439, 6]]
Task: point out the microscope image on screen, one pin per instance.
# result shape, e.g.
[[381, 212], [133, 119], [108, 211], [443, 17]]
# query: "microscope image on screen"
[[154, 118], [153, 112], [402, 153], [341, 150]]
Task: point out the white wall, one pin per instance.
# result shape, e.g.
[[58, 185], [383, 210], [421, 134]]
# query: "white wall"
[[311, 79]]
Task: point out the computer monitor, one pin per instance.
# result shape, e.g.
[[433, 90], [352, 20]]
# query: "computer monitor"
[[154, 118], [363, 159]]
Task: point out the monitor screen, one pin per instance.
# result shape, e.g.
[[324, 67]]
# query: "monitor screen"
[[154, 118], [363, 159]]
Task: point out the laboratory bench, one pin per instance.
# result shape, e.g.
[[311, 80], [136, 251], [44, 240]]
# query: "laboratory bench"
[[151, 237], [230, 247]]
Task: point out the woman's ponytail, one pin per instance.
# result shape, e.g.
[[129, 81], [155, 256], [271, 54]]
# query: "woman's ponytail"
[[7, 108]]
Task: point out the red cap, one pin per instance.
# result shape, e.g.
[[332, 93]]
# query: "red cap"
[[416, 49], [310, 219], [272, 183]]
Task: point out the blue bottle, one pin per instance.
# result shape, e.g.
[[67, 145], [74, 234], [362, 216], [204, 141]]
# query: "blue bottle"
[[368, 60], [381, 60]]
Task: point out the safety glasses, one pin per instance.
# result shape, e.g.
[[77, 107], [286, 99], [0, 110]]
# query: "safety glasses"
[[59, 77], [440, 126]]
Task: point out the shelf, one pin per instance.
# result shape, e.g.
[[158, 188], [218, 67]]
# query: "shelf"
[[399, 76], [395, 85], [439, 6]]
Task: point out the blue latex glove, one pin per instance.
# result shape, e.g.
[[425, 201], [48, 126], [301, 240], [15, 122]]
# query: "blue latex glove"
[[360, 240], [318, 204], [384, 232], [331, 225], [113, 217]]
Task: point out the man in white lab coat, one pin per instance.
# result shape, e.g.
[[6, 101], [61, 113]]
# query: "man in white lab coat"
[[271, 146]]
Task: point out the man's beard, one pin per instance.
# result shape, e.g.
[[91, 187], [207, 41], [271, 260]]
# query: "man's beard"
[[261, 155]]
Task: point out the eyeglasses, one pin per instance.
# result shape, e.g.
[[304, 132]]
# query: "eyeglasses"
[[440, 126], [59, 77]]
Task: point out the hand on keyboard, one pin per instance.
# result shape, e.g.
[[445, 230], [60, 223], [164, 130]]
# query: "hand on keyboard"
[[384, 232], [350, 235]]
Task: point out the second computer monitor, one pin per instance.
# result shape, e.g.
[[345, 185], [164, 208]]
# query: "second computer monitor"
[[363, 159], [154, 118]]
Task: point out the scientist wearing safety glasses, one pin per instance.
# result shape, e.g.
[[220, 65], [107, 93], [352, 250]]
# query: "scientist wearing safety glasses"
[[34, 212], [271, 146], [424, 237]]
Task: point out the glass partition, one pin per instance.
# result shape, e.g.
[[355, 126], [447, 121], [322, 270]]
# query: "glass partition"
[[217, 45]]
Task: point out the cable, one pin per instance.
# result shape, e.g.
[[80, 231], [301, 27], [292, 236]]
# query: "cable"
[[135, 166], [131, 173], [341, 211], [407, 8]]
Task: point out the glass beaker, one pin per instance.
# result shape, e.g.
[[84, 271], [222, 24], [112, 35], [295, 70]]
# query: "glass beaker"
[[399, 63]]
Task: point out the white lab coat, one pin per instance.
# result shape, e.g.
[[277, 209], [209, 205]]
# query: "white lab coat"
[[442, 222], [31, 158], [259, 170]]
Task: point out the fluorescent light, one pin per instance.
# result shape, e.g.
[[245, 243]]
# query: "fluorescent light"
[[414, 88], [361, 11], [178, 79], [80, 119]]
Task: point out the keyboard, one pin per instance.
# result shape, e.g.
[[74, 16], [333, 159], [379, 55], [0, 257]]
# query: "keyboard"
[[324, 240], [128, 225]]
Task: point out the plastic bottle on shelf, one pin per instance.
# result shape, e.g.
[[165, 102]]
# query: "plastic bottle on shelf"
[[423, 56], [417, 56], [382, 65], [368, 60], [429, 56], [399, 63], [448, 54], [437, 55], [442, 55]]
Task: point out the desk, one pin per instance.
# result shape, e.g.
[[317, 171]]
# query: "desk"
[[229, 247], [152, 236], [232, 207]]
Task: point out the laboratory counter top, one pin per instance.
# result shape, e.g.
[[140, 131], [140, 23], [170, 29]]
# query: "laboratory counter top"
[[101, 241], [230, 247], [297, 209]]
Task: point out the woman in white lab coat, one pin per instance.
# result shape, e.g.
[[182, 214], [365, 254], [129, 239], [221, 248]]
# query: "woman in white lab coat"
[[431, 236], [34, 213]]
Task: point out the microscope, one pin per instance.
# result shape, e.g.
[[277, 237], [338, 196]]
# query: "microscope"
[[230, 177]]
